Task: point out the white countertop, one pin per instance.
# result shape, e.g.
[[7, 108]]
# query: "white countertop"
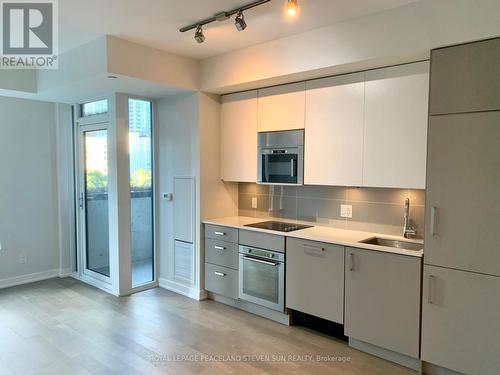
[[343, 237]]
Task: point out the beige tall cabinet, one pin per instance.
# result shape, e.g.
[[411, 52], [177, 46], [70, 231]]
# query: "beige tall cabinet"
[[239, 137], [461, 311], [461, 301]]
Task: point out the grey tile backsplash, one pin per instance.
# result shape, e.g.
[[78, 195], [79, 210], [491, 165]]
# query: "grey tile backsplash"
[[373, 209]]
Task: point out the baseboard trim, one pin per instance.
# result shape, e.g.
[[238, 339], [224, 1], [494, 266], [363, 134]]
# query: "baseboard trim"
[[388, 355], [65, 272], [187, 291], [30, 278], [252, 308], [431, 369]]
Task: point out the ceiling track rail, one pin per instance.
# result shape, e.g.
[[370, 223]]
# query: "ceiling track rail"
[[223, 15]]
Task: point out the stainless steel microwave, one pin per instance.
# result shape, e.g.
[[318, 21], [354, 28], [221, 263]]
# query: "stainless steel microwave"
[[281, 157]]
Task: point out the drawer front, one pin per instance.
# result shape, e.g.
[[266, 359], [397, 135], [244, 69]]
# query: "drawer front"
[[221, 253], [221, 280], [218, 232], [262, 240], [315, 278]]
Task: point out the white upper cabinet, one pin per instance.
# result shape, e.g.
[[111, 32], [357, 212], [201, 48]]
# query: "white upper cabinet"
[[239, 137], [395, 137], [334, 131], [282, 107]]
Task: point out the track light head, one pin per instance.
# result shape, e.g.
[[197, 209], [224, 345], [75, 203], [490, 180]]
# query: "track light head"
[[239, 21], [292, 8], [198, 35]]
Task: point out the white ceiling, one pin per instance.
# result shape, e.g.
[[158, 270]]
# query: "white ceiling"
[[155, 23]]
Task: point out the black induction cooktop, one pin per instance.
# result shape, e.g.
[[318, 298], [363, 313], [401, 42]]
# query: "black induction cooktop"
[[278, 226]]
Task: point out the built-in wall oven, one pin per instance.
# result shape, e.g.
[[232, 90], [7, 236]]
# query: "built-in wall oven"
[[262, 277], [281, 157]]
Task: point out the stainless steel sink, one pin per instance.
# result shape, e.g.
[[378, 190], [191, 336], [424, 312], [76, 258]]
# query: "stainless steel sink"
[[394, 243]]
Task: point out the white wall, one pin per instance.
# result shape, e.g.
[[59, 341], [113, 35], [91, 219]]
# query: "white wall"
[[17, 80], [177, 142], [398, 35], [151, 64], [65, 188], [28, 190], [217, 197], [188, 134], [78, 64]]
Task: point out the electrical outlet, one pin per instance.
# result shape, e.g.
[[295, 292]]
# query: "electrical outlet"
[[346, 210], [23, 259], [254, 202]]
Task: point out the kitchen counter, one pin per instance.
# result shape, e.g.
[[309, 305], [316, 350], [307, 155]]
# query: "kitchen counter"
[[343, 237]]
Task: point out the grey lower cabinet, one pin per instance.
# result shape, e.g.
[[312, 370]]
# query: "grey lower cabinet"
[[221, 280], [382, 300], [315, 279], [460, 320], [221, 260]]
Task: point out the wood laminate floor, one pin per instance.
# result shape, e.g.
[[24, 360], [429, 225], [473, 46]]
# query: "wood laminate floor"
[[62, 326]]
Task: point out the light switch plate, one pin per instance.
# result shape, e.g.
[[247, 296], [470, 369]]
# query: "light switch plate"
[[254, 202], [346, 210]]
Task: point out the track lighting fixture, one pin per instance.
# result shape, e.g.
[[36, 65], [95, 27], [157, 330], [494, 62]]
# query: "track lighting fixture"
[[292, 8], [239, 21], [198, 35]]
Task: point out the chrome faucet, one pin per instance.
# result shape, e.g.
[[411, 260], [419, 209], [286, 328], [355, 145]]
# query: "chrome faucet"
[[407, 229]]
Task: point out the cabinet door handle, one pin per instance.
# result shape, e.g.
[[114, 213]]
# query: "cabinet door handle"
[[351, 262], [433, 221], [314, 250], [430, 298], [219, 247], [219, 274], [220, 233]]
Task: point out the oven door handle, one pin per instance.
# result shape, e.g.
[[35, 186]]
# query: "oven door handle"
[[261, 261]]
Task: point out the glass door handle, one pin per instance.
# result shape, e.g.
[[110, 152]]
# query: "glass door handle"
[[292, 167], [80, 201]]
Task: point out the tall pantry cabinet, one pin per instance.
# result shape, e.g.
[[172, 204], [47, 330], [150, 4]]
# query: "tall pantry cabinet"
[[461, 298]]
